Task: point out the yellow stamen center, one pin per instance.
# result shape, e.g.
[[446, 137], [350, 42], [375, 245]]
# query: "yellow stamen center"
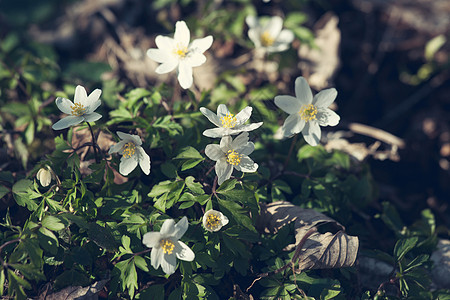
[[212, 222], [78, 109], [266, 39], [233, 158], [308, 112], [128, 150], [181, 51], [167, 246], [228, 121]]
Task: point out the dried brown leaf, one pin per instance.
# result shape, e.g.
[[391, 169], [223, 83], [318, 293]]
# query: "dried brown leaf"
[[321, 250], [78, 292]]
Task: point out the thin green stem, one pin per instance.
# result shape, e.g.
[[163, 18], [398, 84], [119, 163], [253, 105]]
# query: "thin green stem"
[[94, 142], [294, 140]]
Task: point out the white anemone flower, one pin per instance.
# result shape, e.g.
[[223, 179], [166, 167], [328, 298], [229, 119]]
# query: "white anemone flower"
[[166, 247], [82, 108], [214, 220], [178, 53], [232, 154], [44, 175], [132, 154], [307, 114], [227, 123], [269, 34]]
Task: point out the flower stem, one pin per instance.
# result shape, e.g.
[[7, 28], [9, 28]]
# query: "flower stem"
[[94, 142], [294, 140]]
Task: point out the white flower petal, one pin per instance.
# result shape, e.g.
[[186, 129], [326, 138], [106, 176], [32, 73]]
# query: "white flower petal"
[[286, 36], [182, 34], [195, 60], [91, 108], [247, 165], [292, 125], [288, 104], [303, 91], [240, 141], [169, 263], [201, 45], [223, 170], [212, 117], [251, 21], [311, 133], [167, 66], [93, 99], [325, 97], [156, 256], [117, 147], [180, 228], [183, 252], [80, 95], [127, 165], [135, 139], [151, 239], [64, 105], [246, 149], [67, 122], [224, 219], [144, 160], [222, 111], [168, 228], [243, 115], [218, 132], [254, 36], [165, 43], [278, 47], [274, 26], [185, 75], [225, 143], [327, 117], [248, 127], [159, 55], [213, 152], [92, 117]]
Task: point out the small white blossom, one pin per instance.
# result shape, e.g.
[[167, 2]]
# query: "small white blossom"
[[307, 113], [232, 154], [214, 220], [166, 247], [178, 53], [269, 34], [132, 154], [44, 175], [82, 108], [227, 123]]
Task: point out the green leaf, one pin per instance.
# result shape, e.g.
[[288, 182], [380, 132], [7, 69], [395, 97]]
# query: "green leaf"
[[169, 170], [154, 292], [195, 187], [226, 186], [189, 153], [416, 262], [3, 191], [190, 163], [102, 236], [403, 246], [137, 94], [22, 191], [48, 240], [53, 223], [140, 263]]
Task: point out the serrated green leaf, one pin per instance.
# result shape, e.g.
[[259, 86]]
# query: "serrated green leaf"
[[140, 263], [403, 246], [195, 187], [48, 240], [102, 236], [53, 223], [189, 153]]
